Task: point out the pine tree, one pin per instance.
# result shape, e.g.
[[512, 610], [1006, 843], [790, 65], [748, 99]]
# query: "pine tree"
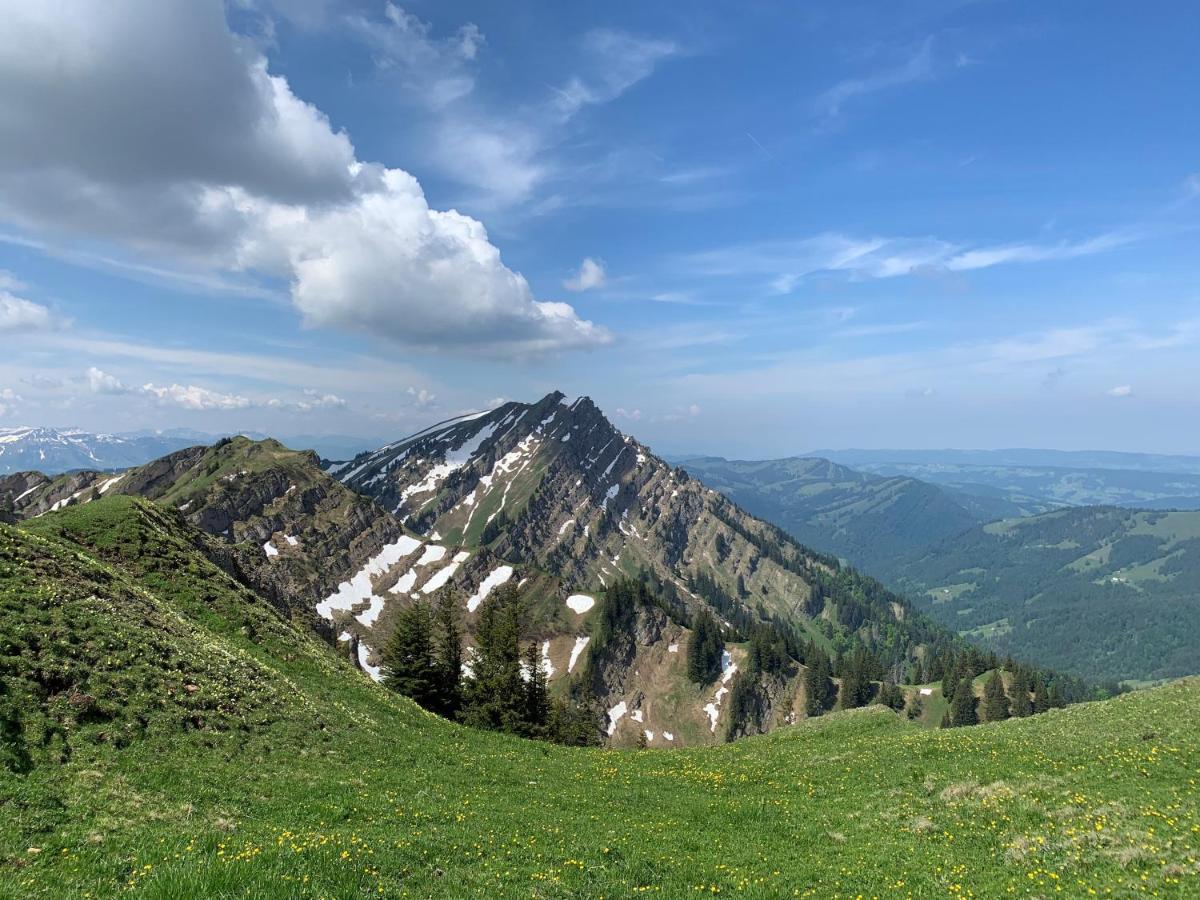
[[818, 689], [1018, 693], [963, 706], [495, 697], [447, 652], [995, 702], [915, 707], [1041, 697], [408, 665], [891, 696], [537, 698], [705, 649]]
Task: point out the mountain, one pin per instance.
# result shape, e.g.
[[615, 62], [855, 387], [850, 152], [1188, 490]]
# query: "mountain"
[[51, 450], [54, 451], [551, 497], [166, 731], [1037, 480], [868, 519], [1106, 593]]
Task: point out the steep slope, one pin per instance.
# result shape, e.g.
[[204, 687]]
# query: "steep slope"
[[175, 736], [53, 450], [1099, 591], [867, 519], [553, 492], [550, 497]]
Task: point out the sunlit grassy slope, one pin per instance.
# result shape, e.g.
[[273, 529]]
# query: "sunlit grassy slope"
[[181, 739]]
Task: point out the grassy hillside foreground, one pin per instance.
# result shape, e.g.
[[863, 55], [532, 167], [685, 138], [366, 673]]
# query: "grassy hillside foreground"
[[181, 739]]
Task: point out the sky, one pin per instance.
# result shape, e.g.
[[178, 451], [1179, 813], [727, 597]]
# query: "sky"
[[749, 229]]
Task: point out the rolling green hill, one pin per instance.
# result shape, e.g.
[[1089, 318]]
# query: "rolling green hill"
[[1103, 592], [167, 733], [867, 519]]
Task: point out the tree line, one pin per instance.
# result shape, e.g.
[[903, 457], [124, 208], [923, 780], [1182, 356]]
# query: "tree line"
[[502, 686]]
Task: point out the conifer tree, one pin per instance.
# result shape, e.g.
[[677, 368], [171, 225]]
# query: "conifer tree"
[[537, 697], [705, 649], [408, 666], [818, 689], [945, 723], [1041, 697], [915, 707], [963, 706], [448, 653], [1018, 693], [995, 702]]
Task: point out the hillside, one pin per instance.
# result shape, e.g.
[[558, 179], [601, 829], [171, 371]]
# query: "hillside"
[[868, 519], [1102, 592], [551, 497], [168, 733]]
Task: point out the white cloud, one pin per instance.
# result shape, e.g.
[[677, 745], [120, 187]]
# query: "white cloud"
[[1191, 185], [616, 61], [151, 124], [1121, 390], [784, 265], [591, 274], [17, 313], [918, 67], [633, 415], [434, 69], [8, 400], [423, 398], [196, 398], [100, 382]]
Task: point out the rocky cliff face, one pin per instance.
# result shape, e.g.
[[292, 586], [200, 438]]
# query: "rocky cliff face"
[[547, 495]]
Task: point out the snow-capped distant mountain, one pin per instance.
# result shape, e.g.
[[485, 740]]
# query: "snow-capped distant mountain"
[[52, 450]]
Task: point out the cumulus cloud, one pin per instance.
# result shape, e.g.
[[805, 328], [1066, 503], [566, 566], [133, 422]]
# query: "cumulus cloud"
[[17, 313], [100, 382], [634, 415], [152, 124], [8, 400], [423, 398], [1121, 390], [193, 397], [591, 274]]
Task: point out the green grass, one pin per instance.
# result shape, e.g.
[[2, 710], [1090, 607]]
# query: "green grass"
[[320, 784]]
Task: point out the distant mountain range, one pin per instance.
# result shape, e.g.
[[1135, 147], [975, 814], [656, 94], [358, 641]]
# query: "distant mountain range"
[[1043, 478], [1101, 591], [53, 450]]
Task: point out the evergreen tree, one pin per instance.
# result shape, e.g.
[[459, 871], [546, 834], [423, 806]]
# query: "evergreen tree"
[[891, 696], [1018, 693], [495, 697], [408, 665], [819, 693], [537, 697], [915, 707], [705, 649], [1041, 697], [945, 723], [995, 702], [448, 653], [963, 706]]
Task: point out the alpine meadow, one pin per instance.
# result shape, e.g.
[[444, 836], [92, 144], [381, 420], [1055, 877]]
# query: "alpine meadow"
[[419, 449]]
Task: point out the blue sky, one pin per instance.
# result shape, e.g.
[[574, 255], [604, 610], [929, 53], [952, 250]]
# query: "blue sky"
[[750, 229]]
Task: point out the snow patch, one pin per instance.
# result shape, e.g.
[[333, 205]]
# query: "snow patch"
[[580, 603], [673, 648], [358, 588], [495, 578], [547, 666], [432, 553], [269, 549], [713, 713], [439, 580], [580, 643], [637, 715], [668, 736], [614, 716], [374, 671]]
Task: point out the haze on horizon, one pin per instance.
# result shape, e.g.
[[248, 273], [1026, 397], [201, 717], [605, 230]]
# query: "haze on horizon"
[[753, 234]]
